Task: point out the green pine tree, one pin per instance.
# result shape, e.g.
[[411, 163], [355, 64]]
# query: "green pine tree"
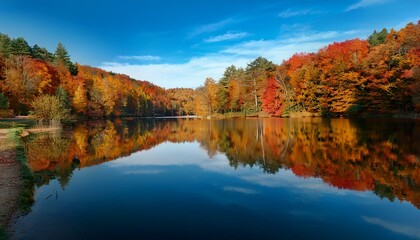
[[61, 56], [377, 38], [42, 53], [5, 44], [63, 97], [4, 102], [20, 47]]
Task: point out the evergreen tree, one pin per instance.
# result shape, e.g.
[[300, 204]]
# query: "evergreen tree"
[[20, 47], [61, 56], [42, 53], [258, 71], [4, 102], [223, 94], [5, 44], [377, 38], [63, 97]]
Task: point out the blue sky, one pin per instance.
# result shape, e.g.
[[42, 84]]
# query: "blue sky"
[[180, 43]]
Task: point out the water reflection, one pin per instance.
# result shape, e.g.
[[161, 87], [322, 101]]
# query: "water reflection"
[[377, 155]]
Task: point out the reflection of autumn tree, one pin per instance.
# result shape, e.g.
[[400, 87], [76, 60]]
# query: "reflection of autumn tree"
[[53, 162], [341, 152], [56, 155], [330, 150], [358, 155], [104, 141]]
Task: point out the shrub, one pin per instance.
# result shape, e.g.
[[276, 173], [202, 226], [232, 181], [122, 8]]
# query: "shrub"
[[49, 110]]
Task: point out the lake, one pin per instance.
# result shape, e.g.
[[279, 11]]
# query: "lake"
[[225, 179]]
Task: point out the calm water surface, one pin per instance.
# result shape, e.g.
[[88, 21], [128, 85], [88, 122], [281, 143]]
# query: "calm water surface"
[[226, 179]]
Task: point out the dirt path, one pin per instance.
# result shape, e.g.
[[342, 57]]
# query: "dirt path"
[[10, 182]]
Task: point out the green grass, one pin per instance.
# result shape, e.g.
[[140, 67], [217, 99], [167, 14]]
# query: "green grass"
[[13, 134], [16, 123], [26, 197], [3, 234]]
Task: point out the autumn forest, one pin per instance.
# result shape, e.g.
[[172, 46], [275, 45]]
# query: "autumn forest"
[[378, 75]]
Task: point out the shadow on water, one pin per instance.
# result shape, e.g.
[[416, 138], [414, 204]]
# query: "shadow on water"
[[378, 155]]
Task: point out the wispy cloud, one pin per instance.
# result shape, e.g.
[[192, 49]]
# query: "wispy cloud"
[[298, 12], [153, 159], [188, 74], [274, 50], [212, 27], [403, 23], [193, 72], [412, 231], [312, 37], [282, 48], [286, 179], [354, 32], [141, 58], [295, 28], [226, 36], [239, 190], [364, 3], [144, 172]]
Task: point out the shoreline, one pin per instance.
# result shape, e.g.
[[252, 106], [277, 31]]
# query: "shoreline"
[[300, 115], [16, 180], [11, 185], [30, 126]]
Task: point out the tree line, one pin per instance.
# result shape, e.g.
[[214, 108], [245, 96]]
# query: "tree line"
[[31, 78], [377, 75]]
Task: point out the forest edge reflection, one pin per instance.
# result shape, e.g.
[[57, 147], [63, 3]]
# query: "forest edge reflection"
[[378, 155]]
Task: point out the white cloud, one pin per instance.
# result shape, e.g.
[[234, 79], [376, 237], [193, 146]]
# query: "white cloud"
[[412, 231], [352, 32], [364, 3], [193, 72], [226, 36], [156, 158], [239, 190], [190, 74], [114, 64], [279, 49], [273, 50], [212, 27], [144, 172], [141, 58], [402, 23], [293, 13], [286, 179], [295, 28], [313, 37]]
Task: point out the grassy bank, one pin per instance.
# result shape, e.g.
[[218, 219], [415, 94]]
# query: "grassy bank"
[[17, 188], [8, 123], [26, 197], [3, 234]]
